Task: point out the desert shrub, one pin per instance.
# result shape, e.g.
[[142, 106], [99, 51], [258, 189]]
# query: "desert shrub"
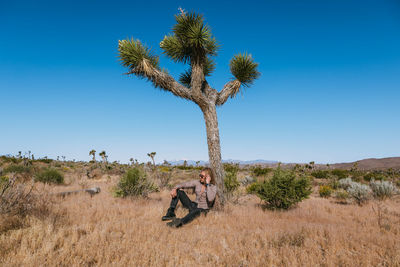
[[360, 192], [383, 189], [283, 190], [10, 159], [164, 178], [16, 169], [341, 195], [134, 183], [49, 176], [339, 173], [188, 167], [357, 175], [334, 183], [259, 171], [253, 188], [325, 191], [345, 183], [44, 160], [231, 182], [18, 200], [320, 174], [228, 167], [374, 176], [165, 169]]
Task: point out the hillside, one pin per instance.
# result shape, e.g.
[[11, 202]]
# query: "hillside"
[[372, 164]]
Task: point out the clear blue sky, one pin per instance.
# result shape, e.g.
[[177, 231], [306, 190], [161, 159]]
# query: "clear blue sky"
[[329, 89]]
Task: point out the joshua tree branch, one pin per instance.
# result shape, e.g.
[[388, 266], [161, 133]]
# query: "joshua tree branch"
[[230, 89], [161, 79]]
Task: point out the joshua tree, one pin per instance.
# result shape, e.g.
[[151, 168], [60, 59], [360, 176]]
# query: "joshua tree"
[[192, 43], [152, 155], [103, 155], [93, 154]]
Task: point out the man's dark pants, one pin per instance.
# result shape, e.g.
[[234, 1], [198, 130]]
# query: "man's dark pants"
[[194, 211]]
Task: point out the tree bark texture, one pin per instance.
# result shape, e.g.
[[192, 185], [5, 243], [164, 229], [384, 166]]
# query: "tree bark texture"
[[214, 149]]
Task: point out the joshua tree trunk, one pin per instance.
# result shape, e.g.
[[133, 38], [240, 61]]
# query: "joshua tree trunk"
[[214, 148]]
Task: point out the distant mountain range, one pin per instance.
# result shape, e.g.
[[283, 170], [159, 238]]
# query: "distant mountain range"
[[241, 162], [365, 164]]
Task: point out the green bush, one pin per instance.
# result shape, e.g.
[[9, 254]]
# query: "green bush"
[[259, 171], [231, 182], [283, 190], [10, 159], [189, 167], [3, 180], [374, 176], [134, 183], [334, 183], [341, 174], [44, 160], [357, 175], [16, 169], [320, 174], [228, 167], [325, 191], [50, 176], [253, 188]]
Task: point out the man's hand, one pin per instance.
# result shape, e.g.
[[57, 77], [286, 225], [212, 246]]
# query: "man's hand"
[[173, 193], [208, 179]]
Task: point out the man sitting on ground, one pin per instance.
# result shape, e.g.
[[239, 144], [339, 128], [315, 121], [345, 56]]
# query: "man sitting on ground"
[[205, 190]]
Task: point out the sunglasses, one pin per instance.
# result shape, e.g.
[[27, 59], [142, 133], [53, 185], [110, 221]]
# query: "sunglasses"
[[202, 176]]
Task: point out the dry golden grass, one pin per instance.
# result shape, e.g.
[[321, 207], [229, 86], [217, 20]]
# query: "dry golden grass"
[[104, 231]]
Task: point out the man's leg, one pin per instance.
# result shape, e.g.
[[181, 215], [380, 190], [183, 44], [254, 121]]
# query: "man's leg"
[[185, 200], [191, 216]]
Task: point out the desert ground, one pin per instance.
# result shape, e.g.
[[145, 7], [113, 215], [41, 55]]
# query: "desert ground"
[[103, 230]]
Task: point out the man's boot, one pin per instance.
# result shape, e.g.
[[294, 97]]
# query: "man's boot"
[[170, 215]]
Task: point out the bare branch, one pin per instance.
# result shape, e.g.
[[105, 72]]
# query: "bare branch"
[[161, 80], [230, 90]]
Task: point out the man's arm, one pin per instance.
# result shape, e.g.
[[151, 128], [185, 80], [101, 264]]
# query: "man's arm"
[[190, 184], [211, 192]]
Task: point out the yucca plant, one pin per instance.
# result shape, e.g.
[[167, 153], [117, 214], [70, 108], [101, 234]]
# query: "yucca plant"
[[191, 42]]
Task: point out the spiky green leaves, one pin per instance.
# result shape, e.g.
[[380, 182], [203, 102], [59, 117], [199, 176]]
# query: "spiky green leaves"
[[191, 40], [244, 69], [133, 53]]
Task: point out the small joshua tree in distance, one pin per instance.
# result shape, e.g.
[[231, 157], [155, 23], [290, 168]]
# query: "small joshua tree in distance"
[[93, 154], [152, 155], [103, 155]]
